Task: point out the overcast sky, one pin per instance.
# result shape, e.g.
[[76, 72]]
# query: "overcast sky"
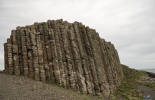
[[128, 24]]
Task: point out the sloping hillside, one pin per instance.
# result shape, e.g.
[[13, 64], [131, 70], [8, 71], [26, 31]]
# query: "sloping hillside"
[[136, 85]]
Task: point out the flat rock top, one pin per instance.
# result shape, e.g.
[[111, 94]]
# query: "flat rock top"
[[21, 88]]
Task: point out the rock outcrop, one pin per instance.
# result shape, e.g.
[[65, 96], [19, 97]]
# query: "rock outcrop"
[[70, 55]]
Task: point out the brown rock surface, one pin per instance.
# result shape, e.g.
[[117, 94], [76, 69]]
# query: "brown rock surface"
[[67, 54]]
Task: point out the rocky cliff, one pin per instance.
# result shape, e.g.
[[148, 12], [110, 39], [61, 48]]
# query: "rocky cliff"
[[70, 55]]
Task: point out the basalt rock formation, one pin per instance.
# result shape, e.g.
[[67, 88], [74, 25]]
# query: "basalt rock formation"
[[70, 55]]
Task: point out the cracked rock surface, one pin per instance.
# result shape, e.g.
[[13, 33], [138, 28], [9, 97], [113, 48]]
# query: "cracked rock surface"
[[70, 55]]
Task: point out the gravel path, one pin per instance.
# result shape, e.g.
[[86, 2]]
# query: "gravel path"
[[21, 88]]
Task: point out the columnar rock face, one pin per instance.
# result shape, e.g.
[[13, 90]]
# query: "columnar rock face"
[[70, 55]]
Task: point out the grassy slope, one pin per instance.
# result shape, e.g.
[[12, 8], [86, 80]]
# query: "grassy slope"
[[130, 83]]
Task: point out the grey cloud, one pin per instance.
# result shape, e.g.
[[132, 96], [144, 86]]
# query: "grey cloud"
[[128, 24]]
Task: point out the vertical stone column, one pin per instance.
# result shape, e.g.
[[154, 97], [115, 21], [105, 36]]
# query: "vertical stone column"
[[70, 73], [24, 50], [78, 62], [61, 54], [86, 61], [115, 63], [15, 53], [20, 57], [5, 59], [85, 53], [33, 35], [40, 52], [95, 46], [48, 39], [55, 45], [53, 55], [106, 86], [29, 51], [47, 51], [75, 58], [110, 66], [16, 60], [63, 62], [9, 56]]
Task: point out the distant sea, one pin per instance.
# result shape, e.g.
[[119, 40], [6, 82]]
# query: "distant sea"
[[149, 70]]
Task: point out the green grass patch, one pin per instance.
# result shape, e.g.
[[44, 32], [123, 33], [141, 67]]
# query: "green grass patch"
[[130, 81]]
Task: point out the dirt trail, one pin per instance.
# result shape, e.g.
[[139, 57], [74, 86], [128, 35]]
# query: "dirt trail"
[[21, 88]]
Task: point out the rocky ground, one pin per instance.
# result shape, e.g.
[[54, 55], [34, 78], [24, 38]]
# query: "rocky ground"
[[148, 81], [21, 88]]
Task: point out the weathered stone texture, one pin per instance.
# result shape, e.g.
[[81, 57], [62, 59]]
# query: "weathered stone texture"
[[70, 55]]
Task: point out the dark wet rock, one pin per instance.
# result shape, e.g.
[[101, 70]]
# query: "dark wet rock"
[[152, 75]]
